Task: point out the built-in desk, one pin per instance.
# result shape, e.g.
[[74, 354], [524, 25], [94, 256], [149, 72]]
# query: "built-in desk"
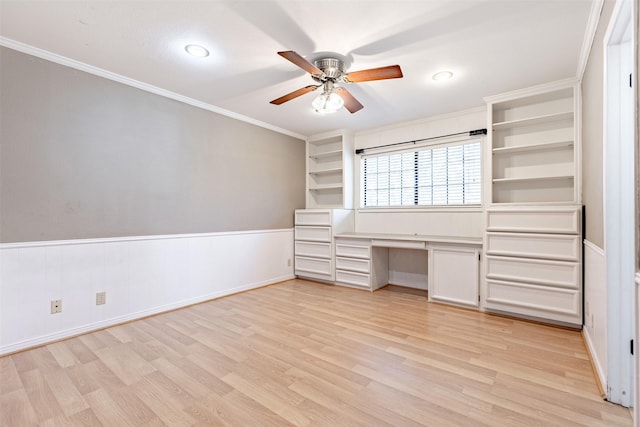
[[448, 267]]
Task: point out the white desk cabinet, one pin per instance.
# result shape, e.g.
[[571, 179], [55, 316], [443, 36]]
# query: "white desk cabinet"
[[371, 261], [454, 274], [353, 263]]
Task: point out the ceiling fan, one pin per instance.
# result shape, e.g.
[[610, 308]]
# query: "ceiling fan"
[[328, 71]]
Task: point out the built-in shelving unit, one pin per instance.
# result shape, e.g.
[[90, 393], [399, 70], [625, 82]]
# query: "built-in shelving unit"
[[330, 171], [533, 234], [534, 155]]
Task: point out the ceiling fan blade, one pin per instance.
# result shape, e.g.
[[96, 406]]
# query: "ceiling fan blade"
[[382, 73], [301, 62], [295, 94], [350, 103]]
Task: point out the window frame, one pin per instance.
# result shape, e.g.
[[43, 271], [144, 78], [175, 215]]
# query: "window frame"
[[414, 147]]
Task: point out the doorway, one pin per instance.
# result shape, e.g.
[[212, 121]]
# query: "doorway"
[[619, 202]]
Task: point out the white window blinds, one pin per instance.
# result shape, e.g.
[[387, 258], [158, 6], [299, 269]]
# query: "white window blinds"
[[432, 176]]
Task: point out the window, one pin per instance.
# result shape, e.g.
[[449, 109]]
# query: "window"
[[431, 176]]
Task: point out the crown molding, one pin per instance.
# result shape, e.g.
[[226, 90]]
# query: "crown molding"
[[100, 72], [589, 37]]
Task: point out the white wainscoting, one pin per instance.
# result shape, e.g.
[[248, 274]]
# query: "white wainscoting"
[[140, 275], [595, 306]]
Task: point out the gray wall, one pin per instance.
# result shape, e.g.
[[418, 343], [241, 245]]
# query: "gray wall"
[[84, 157], [592, 127]]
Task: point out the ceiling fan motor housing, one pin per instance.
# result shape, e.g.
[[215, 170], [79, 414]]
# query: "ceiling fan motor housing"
[[329, 70], [332, 68]]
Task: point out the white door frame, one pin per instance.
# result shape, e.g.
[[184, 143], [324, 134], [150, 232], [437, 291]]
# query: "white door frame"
[[619, 202], [635, 13]]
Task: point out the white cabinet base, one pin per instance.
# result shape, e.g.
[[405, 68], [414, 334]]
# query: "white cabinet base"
[[533, 263]]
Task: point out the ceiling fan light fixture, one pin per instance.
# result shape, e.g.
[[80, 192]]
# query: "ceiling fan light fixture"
[[327, 103], [442, 76], [196, 50], [329, 70]]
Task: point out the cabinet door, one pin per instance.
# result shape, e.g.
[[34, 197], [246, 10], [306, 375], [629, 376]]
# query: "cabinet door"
[[454, 275]]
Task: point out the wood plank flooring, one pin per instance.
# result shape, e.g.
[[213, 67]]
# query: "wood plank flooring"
[[307, 354]]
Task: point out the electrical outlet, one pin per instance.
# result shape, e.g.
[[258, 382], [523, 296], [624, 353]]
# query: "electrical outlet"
[[289, 262], [56, 306], [101, 298]]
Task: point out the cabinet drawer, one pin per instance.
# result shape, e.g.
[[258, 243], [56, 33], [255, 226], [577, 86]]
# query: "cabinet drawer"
[[546, 246], [355, 279], [352, 264], [562, 274], [312, 217], [314, 234], [556, 220], [313, 249], [354, 251], [534, 300], [313, 265], [401, 244]]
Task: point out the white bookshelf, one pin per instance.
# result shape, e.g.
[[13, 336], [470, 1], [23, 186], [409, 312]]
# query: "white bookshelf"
[[330, 171], [534, 155]]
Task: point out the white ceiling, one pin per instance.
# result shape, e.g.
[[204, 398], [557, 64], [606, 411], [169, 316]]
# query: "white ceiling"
[[491, 46]]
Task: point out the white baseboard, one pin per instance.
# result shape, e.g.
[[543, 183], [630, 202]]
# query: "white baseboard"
[[46, 339], [595, 361]]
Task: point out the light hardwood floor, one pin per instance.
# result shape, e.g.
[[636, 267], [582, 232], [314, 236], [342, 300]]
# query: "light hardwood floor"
[[303, 353]]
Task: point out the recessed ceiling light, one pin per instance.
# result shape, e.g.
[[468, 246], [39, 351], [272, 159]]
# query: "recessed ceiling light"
[[442, 76], [196, 50]]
